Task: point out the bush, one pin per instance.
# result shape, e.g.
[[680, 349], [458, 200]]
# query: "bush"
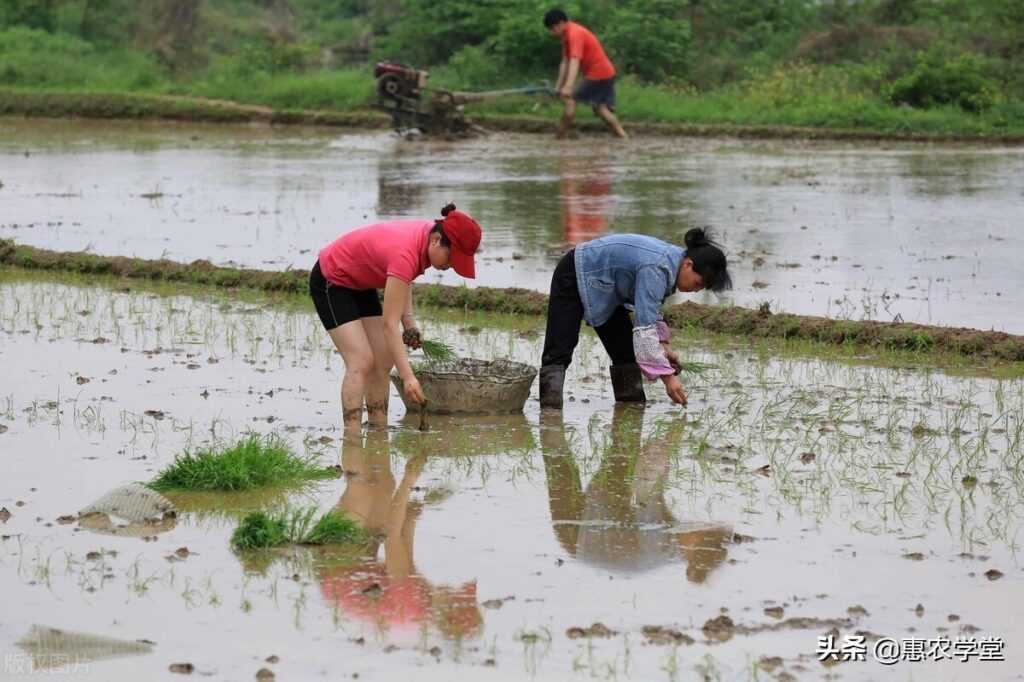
[[524, 45], [939, 79], [648, 38], [32, 57]]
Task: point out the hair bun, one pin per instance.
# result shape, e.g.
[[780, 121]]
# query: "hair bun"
[[696, 238], [447, 209]]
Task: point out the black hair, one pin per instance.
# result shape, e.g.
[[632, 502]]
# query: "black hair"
[[553, 17], [708, 259], [439, 225]]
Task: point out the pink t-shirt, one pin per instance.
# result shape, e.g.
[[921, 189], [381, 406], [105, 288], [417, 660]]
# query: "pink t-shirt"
[[364, 258]]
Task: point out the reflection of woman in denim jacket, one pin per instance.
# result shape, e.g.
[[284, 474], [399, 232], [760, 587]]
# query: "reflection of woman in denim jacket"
[[597, 280]]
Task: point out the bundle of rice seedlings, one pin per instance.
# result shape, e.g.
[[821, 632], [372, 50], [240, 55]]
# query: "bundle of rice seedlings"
[[255, 461], [260, 530], [436, 351]]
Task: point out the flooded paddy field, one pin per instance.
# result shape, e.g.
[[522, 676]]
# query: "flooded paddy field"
[[919, 233], [794, 498]]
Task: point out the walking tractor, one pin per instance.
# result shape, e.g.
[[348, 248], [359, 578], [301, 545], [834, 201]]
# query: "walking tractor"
[[402, 93]]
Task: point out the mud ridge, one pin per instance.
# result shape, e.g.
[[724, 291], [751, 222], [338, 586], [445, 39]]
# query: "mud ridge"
[[732, 320], [132, 106]]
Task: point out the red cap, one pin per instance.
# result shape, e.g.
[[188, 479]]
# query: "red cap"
[[464, 234]]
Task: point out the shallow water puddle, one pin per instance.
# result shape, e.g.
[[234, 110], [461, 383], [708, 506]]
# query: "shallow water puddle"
[[794, 498]]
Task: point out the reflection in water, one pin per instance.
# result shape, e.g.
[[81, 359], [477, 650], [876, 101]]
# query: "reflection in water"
[[67, 652], [466, 435], [398, 191], [388, 592], [586, 195], [621, 520]]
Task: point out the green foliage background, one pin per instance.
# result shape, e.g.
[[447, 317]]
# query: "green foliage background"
[[889, 65]]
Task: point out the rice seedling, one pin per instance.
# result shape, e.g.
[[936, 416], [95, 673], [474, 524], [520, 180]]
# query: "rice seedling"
[[437, 351], [260, 530], [695, 368], [255, 461]]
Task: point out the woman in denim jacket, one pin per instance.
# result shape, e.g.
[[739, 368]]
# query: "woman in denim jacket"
[[596, 281]]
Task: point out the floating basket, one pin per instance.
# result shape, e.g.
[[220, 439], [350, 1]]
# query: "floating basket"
[[469, 386]]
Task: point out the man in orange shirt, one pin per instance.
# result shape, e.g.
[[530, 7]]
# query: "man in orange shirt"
[[581, 51]]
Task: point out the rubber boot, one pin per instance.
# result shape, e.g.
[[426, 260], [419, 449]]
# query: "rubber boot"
[[552, 378], [628, 383]]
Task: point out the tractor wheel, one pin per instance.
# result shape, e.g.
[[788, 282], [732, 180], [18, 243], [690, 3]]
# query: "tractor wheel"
[[389, 85]]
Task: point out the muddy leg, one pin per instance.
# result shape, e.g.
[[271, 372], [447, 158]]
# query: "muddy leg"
[[565, 125], [609, 117], [377, 386], [351, 342]]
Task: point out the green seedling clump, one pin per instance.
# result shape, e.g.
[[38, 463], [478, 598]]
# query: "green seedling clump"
[[259, 530], [698, 368], [253, 462], [436, 351]]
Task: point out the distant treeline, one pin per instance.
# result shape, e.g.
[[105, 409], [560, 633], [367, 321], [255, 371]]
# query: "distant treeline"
[[818, 61]]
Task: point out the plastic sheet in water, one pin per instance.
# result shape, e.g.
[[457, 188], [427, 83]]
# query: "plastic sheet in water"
[[130, 510]]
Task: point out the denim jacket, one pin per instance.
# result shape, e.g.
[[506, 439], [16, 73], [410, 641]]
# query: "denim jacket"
[[626, 268]]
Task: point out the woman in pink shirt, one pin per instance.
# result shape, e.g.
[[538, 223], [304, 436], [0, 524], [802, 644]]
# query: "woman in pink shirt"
[[344, 284]]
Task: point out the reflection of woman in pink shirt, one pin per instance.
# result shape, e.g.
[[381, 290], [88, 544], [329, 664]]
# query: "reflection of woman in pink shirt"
[[343, 285], [391, 593]]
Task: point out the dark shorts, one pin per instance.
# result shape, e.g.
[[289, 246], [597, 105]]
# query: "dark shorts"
[[596, 93], [337, 305]]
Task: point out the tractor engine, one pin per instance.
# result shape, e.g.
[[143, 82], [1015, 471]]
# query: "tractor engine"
[[397, 81]]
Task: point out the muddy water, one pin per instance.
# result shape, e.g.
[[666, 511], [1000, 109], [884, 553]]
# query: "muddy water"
[[922, 233], [793, 496]]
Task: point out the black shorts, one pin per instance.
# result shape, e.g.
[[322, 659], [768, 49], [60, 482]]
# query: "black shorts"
[[596, 93], [337, 305]]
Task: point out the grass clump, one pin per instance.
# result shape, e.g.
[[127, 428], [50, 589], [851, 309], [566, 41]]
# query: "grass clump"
[[260, 530], [255, 461]]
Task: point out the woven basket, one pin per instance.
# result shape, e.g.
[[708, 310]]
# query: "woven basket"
[[470, 386]]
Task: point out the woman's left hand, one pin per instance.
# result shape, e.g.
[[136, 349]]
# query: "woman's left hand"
[[672, 357]]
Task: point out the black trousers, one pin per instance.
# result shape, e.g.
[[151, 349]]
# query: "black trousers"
[[565, 315]]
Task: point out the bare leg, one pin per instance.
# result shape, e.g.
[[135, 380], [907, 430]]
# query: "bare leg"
[[377, 386], [566, 123], [350, 340], [609, 117]]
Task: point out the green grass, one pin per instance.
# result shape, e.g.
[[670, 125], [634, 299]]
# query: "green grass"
[[823, 100], [253, 462], [260, 530]]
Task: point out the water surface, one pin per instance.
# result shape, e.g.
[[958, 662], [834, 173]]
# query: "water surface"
[[920, 233]]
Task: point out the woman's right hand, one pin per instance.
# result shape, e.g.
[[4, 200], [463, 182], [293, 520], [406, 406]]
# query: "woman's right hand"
[[674, 389], [413, 391]]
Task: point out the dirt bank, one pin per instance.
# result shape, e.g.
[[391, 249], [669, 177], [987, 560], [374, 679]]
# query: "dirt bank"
[[131, 106], [139, 106], [731, 320]]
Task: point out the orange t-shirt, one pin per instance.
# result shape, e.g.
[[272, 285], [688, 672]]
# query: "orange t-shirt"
[[579, 43]]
